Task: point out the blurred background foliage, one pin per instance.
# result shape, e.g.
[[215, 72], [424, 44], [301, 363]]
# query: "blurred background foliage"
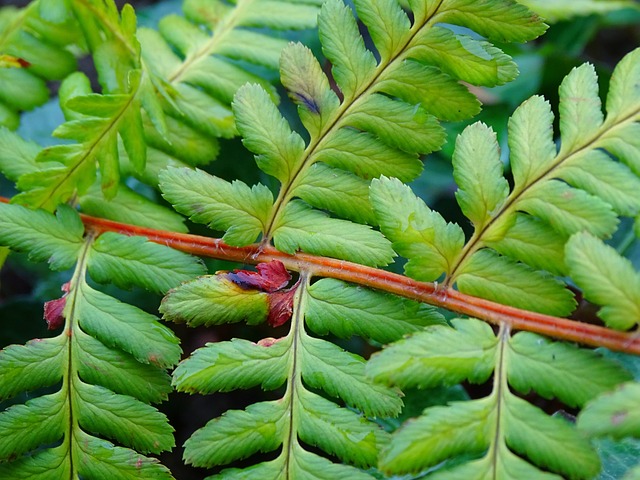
[[601, 38]]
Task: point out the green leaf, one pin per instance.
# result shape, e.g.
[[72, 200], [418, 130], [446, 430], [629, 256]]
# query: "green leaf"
[[441, 433], [346, 310], [418, 233], [504, 21], [533, 242], [439, 355], [477, 170], [606, 278], [129, 421], [341, 374], [226, 366], [234, 207], [569, 210], [580, 107], [387, 23], [119, 371], [101, 459], [557, 369], [462, 57], [623, 97], [402, 125], [38, 422], [340, 192], [27, 367], [352, 64], [266, 133], [213, 300], [549, 442], [613, 414], [117, 324], [309, 466], [338, 431], [49, 464], [131, 207], [595, 172], [438, 93], [312, 231], [238, 434], [308, 87], [55, 239], [531, 145], [17, 156], [367, 156], [127, 261], [488, 275]]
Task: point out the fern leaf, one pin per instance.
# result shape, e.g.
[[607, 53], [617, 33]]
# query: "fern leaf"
[[498, 278], [337, 430], [25, 427], [303, 228], [103, 388], [238, 434], [36, 49], [102, 459], [213, 300], [298, 359], [130, 422], [437, 355], [27, 367], [481, 186], [555, 194], [554, 12], [341, 374], [501, 424], [606, 278], [613, 414], [556, 369], [125, 327], [346, 310], [120, 372], [382, 101], [418, 233], [130, 207], [443, 432], [226, 366], [234, 207], [119, 259], [57, 240], [550, 442]]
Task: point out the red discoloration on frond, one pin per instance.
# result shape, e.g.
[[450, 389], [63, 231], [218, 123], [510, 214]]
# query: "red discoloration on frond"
[[23, 63], [53, 310], [269, 278], [281, 307]]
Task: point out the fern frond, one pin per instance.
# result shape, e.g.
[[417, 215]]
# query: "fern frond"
[[106, 366], [501, 435], [33, 50], [606, 278], [554, 11], [298, 360], [156, 106], [555, 194], [382, 121]]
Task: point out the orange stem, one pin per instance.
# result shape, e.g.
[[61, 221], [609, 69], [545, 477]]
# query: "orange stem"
[[450, 299]]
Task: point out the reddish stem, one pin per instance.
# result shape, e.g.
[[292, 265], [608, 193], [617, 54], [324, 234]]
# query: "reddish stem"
[[450, 299]]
